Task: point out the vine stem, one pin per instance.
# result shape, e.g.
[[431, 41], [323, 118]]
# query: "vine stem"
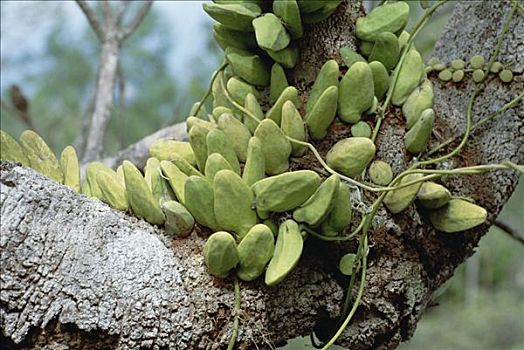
[[336, 238], [234, 332]]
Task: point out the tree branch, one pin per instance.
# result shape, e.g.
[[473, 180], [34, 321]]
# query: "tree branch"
[[131, 27], [510, 231], [91, 17]]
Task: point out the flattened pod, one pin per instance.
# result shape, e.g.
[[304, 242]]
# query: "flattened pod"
[[458, 215], [275, 112], [287, 253], [409, 76], [11, 150], [361, 129], [202, 111], [350, 56], [278, 82], [248, 66], [92, 170], [398, 200], [252, 105], [86, 189], [120, 175], [322, 114], [255, 168], [290, 13], [386, 50], [403, 39], [226, 37], [166, 150], [219, 96], [176, 178], [179, 221], [416, 139], [70, 168], [218, 111], [292, 125], [254, 252], [113, 193], [215, 162], [140, 197], [287, 57], [432, 195], [192, 121], [270, 32], [286, 191], [340, 216], [197, 140], [327, 76], [217, 143], [236, 133], [238, 89], [380, 79], [391, 17], [157, 184], [234, 16], [202, 203], [40, 156], [275, 146], [233, 203], [351, 156], [184, 166], [380, 173], [321, 14], [318, 206], [419, 100], [356, 92], [220, 253]]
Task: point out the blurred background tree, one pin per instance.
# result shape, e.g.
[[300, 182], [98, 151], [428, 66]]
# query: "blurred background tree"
[[49, 51]]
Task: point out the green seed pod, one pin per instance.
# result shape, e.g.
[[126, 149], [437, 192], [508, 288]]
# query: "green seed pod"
[[226, 37], [346, 264], [351, 156], [202, 202], [202, 112], [255, 168], [433, 196], [233, 16], [275, 146], [216, 162], [458, 215], [433, 61], [254, 252], [238, 89], [219, 96], [380, 173], [349, 56], [419, 100], [286, 191], [237, 133], [197, 140], [477, 62], [270, 32], [409, 77], [398, 200], [275, 112], [327, 77], [445, 75], [248, 66], [120, 175], [141, 200], [361, 129], [391, 17], [322, 114], [113, 193], [218, 111], [70, 168], [457, 76], [156, 182], [340, 216], [318, 206], [184, 166], [252, 105], [164, 149], [308, 6], [278, 82], [292, 125], [11, 150], [478, 75], [386, 50], [220, 253], [366, 47], [403, 39], [439, 67], [380, 79], [287, 57], [85, 189], [496, 67], [192, 121], [321, 14], [289, 12], [506, 76], [233, 203], [179, 221], [92, 170], [417, 138], [458, 64], [176, 178], [356, 92], [288, 250], [217, 142], [40, 156]]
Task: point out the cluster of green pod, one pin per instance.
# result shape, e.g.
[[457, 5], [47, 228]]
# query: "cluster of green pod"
[[457, 69]]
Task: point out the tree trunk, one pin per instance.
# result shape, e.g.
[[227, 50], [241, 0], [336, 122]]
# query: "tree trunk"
[[76, 273]]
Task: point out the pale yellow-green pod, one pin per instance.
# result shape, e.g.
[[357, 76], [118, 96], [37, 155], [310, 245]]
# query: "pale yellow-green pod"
[[327, 77], [70, 168], [410, 74], [255, 168], [416, 139], [248, 66], [356, 92], [292, 125], [202, 111], [234, 16], [289, 12], [217, 142], [381, 79], [113, 193], [192, 121], [351, 156], [85, 189], [120, 175], [165, 149], [350, 56], [386, 50], [238, 89], [11, 150], [176, 178], [398, 200], [433, 196], [184, 166], [275, 146], [218, 111], [219, 96], [403, 39], [254, 252], [252, 105], [278, 82], [318, 206], [197, 140], [380, 173], [234, 201], [179, 221], [419, 100], [216, 162], [40, 156], [202, 202], [275, 112], [220, 254], [158, 185], [340, 216], [271, 33], [92, 170], [141, 200], [458, 215], [390, 17], [237, 134], [322, 114], [287, 57]]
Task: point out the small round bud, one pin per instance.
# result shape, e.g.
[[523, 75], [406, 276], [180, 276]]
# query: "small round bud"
[[458, 64], [361, 129], [458, 75], [496, 67], [445, 75], [478, 75], [439, 66], [506, 75], [477, 61], [380, 173], [433, 61]]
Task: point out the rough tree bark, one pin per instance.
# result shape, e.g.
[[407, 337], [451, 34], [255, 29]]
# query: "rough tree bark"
[[76, 273]]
